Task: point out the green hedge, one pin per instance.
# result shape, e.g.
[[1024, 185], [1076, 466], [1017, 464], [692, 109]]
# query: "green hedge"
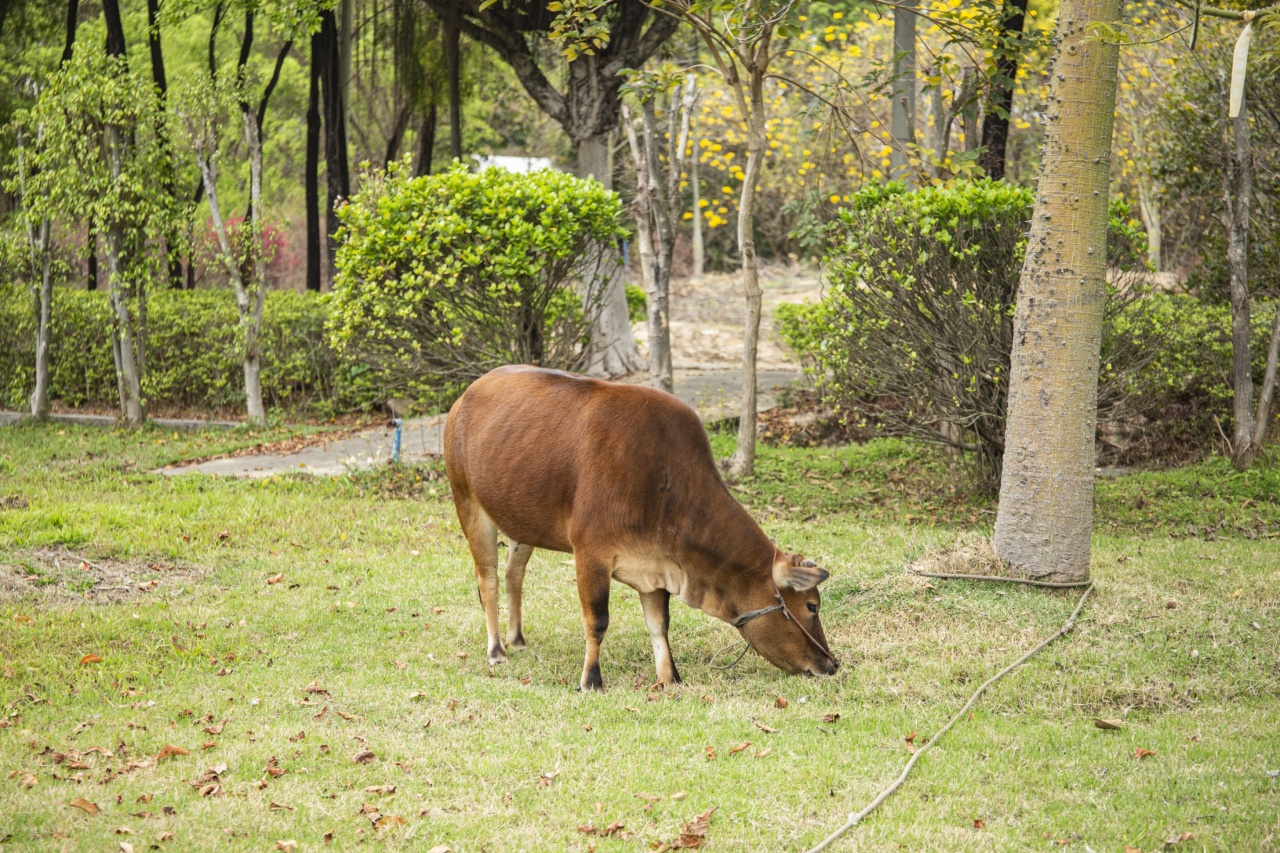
[[192, 354]]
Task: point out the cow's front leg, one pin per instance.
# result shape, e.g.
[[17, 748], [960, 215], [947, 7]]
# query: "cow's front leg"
[[657, 616], [593, 591]]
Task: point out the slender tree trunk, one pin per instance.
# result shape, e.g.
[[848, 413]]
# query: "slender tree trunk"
[[647, 214], [335, 135], [311, 178], [346, 12], [453, 70], [250, 300], [743, 462], [1045, 515], [38, 243], [969, 108], [903, 109], [995, 124], [613, 350], [173, 240], [699, 249], [73, 15], [659, 302], [40, 397], [1268, 384], [397, 133], [426, 142], [1238, 195], [129, 379]]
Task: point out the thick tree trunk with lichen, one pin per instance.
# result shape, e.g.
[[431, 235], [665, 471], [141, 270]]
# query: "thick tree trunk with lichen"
[[1045, 516], [612, 350]]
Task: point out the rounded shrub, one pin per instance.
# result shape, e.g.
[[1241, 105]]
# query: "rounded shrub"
[[443, 277], [915, 334]]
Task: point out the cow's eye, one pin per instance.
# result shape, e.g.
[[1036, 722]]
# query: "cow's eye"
[[813, 608]]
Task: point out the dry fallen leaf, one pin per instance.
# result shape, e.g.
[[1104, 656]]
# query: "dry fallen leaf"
[[441, 848], [979, 824], [780, 702], [126, 847], [830, 718], [734, 750], [911, 738], [389, 821], [711, 753], [287, 846], [84, 805], [1129, 848], [215, 730], [29, 780], [1143, 753], [276, 807], [1185, 836], [1109, 725], [364, 756], [169, 750], [165, 836], [762, 753], [380, 789], [90, 658], [766, 729]]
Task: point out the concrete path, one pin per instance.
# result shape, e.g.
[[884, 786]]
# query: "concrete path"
[[714, 394], [11, 418]]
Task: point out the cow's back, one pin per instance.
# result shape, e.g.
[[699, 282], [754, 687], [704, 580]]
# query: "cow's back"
[[551, 457]]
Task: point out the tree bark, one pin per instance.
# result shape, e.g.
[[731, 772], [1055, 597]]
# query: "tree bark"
[[903, 109], [397, 133], [115, 30], [743, 462], [1045, 515], [335, 135], [995, 124], [124, 346], [311, 177], [173, 241], [38, 242], [612, 351], [1238, 195], [453, 71], [250, 300], [73, 15], [647, 216], [426, 142]]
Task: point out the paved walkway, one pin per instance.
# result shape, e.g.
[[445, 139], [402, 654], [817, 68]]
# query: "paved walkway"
[[714, 394]]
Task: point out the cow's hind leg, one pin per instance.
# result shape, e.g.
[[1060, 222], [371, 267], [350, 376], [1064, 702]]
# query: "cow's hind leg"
[[517, 560], [657, 610], [482, 536], [593, 592]]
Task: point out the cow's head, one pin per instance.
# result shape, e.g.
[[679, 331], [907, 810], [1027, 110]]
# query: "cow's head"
[[788, 633]]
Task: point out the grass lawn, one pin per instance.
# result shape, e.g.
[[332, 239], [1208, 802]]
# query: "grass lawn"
[[349, 702]]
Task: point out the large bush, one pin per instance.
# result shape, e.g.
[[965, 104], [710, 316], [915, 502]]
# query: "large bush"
[[444, 277], [192, 356], [916, 331]]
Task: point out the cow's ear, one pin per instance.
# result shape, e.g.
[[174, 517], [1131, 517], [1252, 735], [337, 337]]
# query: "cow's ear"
[[798, 578]]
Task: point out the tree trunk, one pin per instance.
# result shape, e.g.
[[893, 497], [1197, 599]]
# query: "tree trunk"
[[397, 133], [115, 30], [1238, 194], [903, 109], [646, 214], [452, 61], [346, 11], [91, 259], [40, 397], [426, 142], [311, 177], [129, 379], [699, 250], [1268, 384], [1045, 516], [969, 108], [995, 124], [1149, 208], [743, 462], [612, 351], [250, 300], [335, 134], [73, 15], [173, 241]]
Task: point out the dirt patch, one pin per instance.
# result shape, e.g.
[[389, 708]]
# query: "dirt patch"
[[969, 554], [56, 574], [806, 421]]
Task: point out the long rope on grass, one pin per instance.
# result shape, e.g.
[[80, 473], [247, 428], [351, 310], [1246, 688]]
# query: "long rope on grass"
[[856, 817], [1028, 581]]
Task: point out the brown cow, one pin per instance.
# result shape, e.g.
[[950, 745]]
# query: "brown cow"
[[622, 477]]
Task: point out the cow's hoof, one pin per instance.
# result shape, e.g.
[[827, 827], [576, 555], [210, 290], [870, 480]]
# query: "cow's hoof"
[[497, 656], [591, 680], [516, 642]]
